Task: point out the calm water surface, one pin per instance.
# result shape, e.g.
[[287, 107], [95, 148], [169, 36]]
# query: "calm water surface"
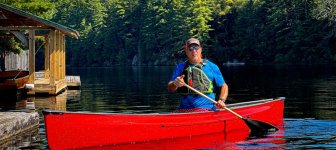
[[310, 111]]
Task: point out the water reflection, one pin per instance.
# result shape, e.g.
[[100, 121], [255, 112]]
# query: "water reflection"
[[32, 103], [11, 100], [51, 102], [218, 141], [310, 134], [125, 90], [309, 91]]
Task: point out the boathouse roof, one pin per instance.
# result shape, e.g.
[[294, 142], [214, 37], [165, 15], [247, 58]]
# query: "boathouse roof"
[[15, 19]]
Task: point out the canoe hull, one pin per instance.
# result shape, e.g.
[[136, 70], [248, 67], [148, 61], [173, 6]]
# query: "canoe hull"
[[75, 130], [13, 80]]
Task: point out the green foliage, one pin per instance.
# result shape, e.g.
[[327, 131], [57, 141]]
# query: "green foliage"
[[88, 17], [41, 8], [114, 32], [199, 19], [10, 45], [267, 31]]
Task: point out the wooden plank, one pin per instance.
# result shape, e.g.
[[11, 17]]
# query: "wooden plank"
[[26, 60], [73, 81], [59, 66], [42, 81], [21, 82], [44, 89], [46, 57], [42, 86], [57, 56], [15, 62], [39, 75], [63, 56], [12, 74], [31, 56], [52, 57], [60, 56], [60, 86]]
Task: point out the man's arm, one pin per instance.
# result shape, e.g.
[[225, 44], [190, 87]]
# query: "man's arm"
[[171, 87], [224, 91]]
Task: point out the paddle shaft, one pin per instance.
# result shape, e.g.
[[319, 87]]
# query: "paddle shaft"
[[210, 99]]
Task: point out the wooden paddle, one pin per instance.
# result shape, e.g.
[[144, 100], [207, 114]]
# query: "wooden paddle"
[[254, 125]]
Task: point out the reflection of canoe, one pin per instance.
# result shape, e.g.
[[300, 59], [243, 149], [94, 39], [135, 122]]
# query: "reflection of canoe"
[[215, 141], [67, 130], [13, 79]]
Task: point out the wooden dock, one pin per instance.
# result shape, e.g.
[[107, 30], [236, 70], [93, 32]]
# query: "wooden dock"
[[42, 85], [16, 124], [73, 82]]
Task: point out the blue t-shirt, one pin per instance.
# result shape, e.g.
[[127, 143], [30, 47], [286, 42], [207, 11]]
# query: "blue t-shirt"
[[195, 100]]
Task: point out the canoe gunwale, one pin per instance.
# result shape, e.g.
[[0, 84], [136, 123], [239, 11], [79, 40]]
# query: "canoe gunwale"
[[253, 103], [231, 106]]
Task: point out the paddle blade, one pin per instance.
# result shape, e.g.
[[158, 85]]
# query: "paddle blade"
[[259, 126]]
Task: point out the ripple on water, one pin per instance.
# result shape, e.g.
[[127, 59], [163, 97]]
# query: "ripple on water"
[[310, 133]]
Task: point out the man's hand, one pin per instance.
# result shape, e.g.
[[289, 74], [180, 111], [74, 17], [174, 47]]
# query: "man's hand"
[[178, 82], [220, 104], [173, 85]]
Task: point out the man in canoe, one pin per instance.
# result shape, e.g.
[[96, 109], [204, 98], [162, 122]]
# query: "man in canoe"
[[202, 75]]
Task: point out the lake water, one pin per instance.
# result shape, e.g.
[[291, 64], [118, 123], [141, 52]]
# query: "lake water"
[[310, 111]]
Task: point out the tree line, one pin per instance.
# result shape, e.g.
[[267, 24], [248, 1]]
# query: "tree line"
[[153, 32]]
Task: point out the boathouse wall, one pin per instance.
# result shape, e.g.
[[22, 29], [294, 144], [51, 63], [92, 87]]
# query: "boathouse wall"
[[16, 61]]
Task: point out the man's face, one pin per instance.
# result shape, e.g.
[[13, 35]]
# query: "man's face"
[[194, 52]]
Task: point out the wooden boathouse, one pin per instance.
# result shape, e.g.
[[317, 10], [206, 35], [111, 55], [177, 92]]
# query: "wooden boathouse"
[[54, 79]]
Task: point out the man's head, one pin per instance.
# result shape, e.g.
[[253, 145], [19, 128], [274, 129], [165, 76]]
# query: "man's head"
[[194, 50]]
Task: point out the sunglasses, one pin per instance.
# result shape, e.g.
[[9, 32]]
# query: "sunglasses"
[[191, 48]]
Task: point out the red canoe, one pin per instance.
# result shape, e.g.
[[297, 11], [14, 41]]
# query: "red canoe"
[[70, 130]]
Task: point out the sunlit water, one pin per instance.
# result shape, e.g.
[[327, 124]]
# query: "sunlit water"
[[310, 110]]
